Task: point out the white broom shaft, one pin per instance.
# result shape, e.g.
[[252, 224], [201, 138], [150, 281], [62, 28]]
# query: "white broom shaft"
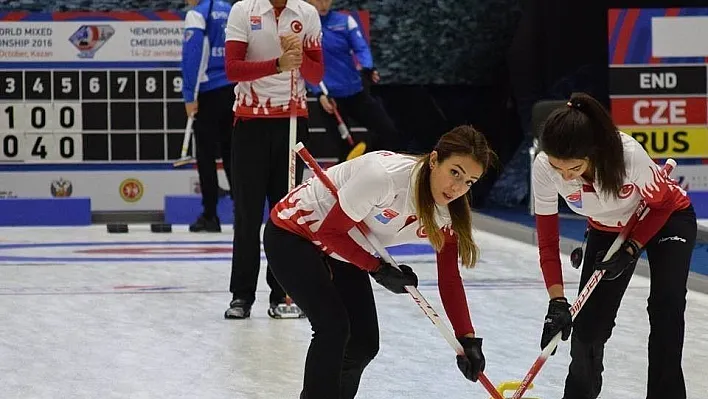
[[187, 136], [292, 139]]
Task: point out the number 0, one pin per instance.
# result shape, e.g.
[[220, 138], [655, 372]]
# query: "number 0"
[[9, 146], [66, 147], [39, 118], [66, 117]]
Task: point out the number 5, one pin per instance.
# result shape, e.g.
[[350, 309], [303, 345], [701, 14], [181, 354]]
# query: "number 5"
[[66, 85]]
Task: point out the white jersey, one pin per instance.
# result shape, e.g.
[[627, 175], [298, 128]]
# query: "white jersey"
[[377, 188], [643, 181], [254, 22]]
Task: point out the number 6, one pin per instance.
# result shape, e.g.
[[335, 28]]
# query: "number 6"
[[94, 85]]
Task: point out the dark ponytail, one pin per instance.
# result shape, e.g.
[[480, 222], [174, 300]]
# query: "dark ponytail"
[[584, 129]]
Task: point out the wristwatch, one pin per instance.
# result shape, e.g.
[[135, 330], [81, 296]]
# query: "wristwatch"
[[277, 65]]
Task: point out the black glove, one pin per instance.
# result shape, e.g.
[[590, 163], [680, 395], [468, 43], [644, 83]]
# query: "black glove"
[[472, 363], [367, 78], [368, 74], [620, 260], [558, 319], [393, 279]]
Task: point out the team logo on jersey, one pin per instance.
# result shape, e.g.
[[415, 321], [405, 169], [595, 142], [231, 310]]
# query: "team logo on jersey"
[[88, 39], [626, 191], [296, 26], [386, 216], [575, 199], [256, 23], [421, 232]]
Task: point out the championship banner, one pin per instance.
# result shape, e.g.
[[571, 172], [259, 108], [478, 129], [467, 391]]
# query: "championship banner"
[[658, 82]]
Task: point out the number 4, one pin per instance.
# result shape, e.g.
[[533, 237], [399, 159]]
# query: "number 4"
[[38, 87], [39, 149]]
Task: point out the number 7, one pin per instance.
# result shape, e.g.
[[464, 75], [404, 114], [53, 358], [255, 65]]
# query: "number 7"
[[122, 82]]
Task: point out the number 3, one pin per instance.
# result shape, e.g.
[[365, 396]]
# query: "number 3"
[[10, 85]]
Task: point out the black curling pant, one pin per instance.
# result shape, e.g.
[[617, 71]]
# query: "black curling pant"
[[338, 300], [260, 159], [669, 254], [212, 134]]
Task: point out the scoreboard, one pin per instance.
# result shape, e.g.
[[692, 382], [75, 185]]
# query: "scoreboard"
[[91, 115], [659, 88], [91, 102], [90, 87]]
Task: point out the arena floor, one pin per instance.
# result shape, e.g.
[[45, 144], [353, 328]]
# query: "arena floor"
[[86, 314]]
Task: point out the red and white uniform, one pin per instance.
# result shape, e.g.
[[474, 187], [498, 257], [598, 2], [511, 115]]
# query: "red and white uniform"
[[643, 181], [253, 34], [378, 189]]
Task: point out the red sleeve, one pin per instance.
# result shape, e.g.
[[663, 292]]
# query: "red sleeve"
[[452, 291], [549, 248], [312, 68], [665, 198], [334, 234], [650, 225], [239, 70], [662, 195]]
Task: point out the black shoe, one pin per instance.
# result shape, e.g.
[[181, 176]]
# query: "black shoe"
[[282, 310], [208, 224], [238, 309]]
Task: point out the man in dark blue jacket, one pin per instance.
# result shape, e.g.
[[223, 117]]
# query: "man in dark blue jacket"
[[341, 37], [209, 97]]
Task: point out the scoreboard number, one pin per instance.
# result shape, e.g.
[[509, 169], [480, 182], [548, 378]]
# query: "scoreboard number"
[[122, 83], [66, 85], [9, 116], [150, 84], [67, 117], [10, 85], [38, 87], [177, 84], [40, 117], [55, 115], [41, 147], [9, 147]]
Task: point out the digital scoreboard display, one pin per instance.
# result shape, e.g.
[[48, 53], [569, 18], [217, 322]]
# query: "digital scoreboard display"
[[658, 76]]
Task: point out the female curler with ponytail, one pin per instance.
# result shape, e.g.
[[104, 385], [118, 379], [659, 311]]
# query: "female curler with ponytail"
[[585, 130], [602, 174]]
